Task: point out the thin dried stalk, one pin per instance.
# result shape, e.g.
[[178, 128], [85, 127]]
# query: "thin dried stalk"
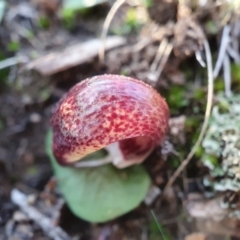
[[206, 119], [164, 59], [158, 56], [227, 75], [106, 25], [223, 48]]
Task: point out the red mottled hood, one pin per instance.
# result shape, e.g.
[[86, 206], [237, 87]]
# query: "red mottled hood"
[[109, 111]]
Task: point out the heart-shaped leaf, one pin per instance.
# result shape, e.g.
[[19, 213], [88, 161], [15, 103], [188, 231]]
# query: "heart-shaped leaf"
[[100, 194]]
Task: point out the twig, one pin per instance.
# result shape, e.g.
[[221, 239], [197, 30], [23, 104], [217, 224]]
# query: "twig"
[[227, 75], [44, 222], [206, 119], [106, 25], [222, 51]]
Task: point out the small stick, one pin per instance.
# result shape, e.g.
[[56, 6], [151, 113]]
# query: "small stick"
[[54, 232], [206, 119]]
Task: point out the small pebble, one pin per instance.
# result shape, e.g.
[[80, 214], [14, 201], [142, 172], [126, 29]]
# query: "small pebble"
[[31, 199], [152, 194], [35, 118], [19, 216], [196, 236]]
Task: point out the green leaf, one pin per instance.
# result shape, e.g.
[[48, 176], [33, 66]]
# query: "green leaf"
[[212, 27], [80, 4], [103, 193], [148, 3], [13, 46], [44, 22], [177, 97]]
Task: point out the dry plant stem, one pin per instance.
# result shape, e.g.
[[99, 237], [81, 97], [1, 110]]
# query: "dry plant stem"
[[93, 163], [23, 32], [160, 60], [160, 52], [164, 59], [235, 36], [54, 232], [106, 25], [142, 44], [223, 48], [227, 75], [233, 54], [206, 119]]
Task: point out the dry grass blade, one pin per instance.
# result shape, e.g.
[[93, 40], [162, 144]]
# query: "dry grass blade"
[[13, 61], [235, 42], [227, 75], [223, 48], [106, 25], [160, 60], [206, 119], [24, 33], [160, 52], [199, 58], [164, 59], [142, 44], [233, 54]]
